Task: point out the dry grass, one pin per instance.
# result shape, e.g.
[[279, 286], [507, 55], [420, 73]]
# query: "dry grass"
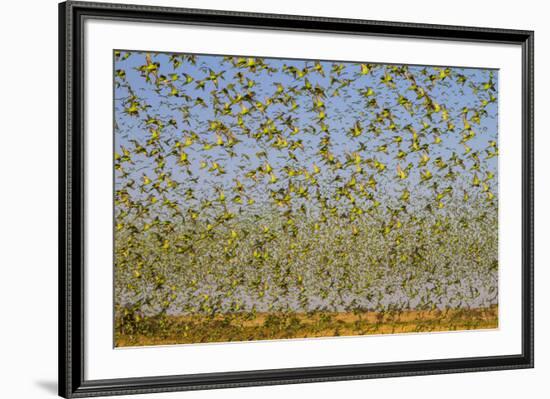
[[244, 327]]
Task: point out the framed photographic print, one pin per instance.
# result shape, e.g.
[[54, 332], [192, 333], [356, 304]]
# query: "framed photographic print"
[[252, 199]]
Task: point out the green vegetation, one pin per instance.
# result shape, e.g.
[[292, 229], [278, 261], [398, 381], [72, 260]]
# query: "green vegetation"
[[167, 330]]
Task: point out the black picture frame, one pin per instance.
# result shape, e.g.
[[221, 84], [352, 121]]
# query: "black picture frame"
[[71, 200]]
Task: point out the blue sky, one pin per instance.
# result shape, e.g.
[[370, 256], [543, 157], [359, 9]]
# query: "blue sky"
[[343, 106]]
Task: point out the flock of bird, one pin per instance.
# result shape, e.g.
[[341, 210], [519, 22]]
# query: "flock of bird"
[[246, 184]]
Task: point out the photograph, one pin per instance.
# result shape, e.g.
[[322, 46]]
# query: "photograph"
[[270, 198], [260, 198], [206, 199]]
